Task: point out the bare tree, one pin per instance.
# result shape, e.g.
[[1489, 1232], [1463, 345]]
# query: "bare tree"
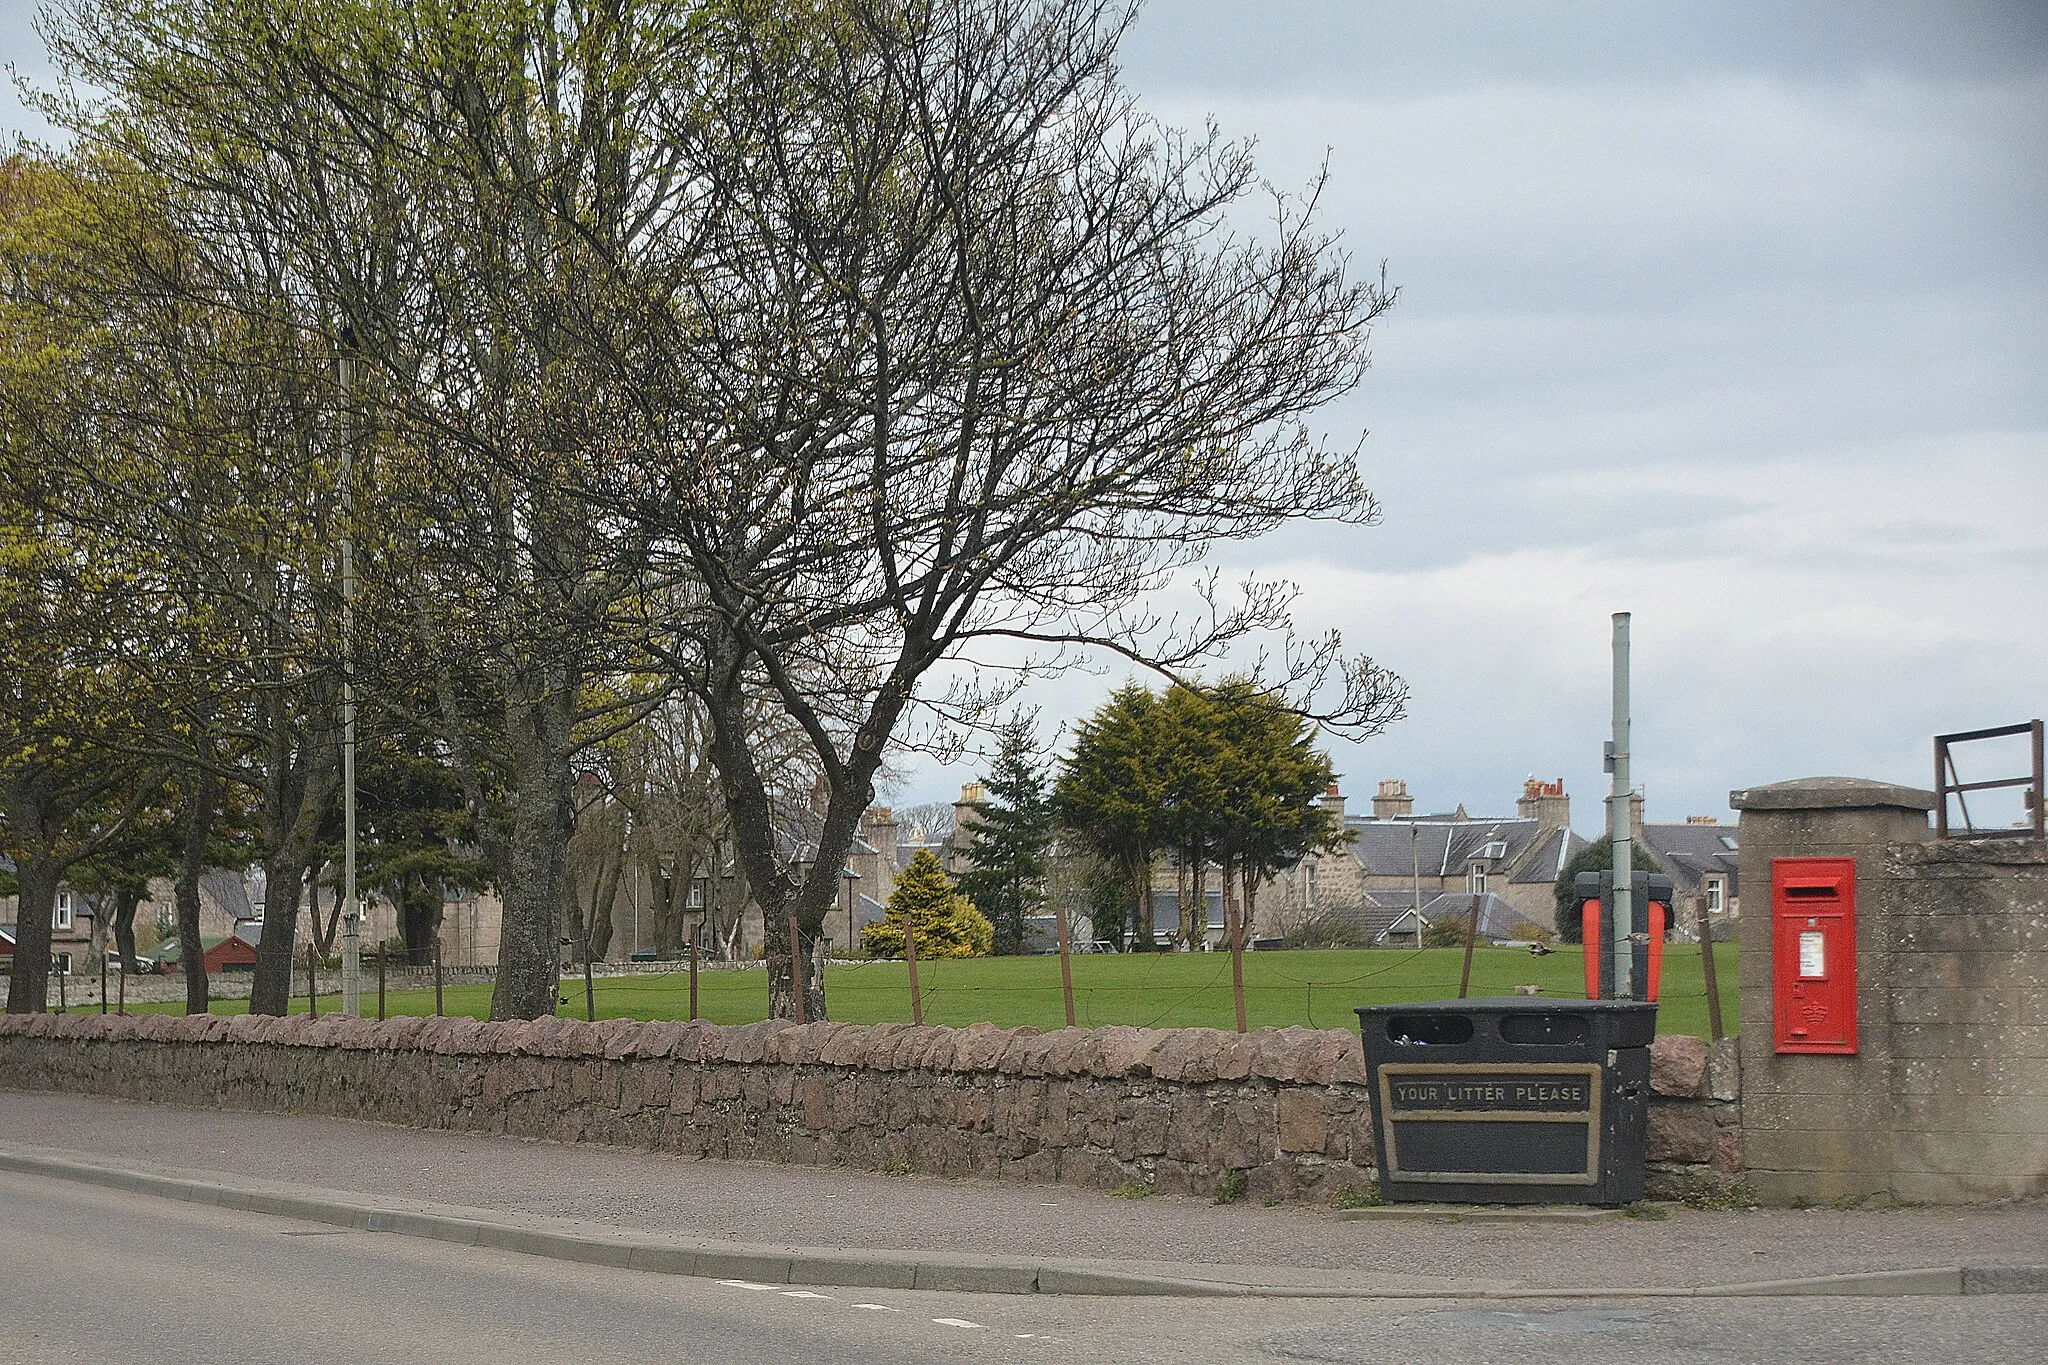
[[972, 354]]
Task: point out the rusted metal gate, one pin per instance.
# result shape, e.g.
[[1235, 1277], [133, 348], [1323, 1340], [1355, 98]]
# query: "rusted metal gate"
[[1948, 782]]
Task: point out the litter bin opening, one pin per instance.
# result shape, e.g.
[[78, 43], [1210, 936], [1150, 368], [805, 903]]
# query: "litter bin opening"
[[1433, 1030], [1547, 1029]]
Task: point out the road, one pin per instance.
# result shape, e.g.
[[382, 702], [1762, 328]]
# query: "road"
[[93, 1275]]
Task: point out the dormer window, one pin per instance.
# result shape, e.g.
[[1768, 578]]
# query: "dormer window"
[[1475, 878], [60, 919], [1717, 895]]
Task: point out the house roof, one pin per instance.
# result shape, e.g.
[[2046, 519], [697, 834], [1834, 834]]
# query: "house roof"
[[1498, 918], [1691, 852], [229, 892], [1516, 847]]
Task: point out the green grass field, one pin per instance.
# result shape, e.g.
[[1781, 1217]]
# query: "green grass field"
[[1156, 990]]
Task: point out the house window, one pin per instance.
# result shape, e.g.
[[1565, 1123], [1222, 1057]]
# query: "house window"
[[1309, 895], [1717, 895], [1475, 879], [60, 963], [61, 919]]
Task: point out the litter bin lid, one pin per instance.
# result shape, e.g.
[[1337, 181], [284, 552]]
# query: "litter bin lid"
[[1622, 1023]]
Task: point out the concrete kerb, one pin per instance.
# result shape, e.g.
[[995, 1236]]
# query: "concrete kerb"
[[960, 1273]]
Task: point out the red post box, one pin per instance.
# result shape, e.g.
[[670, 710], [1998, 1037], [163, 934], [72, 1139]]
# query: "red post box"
[[1813, 954]]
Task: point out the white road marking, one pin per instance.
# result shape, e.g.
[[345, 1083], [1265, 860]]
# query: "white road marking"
[[748, 1284], [803, 1294], [956, 1322], [879, 1307]]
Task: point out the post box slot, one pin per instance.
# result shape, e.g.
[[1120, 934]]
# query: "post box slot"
[[1548, 1029], [1827, 891], [1438, 1030]]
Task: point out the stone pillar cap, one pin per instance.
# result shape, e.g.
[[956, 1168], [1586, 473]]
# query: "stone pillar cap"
[[1831, 793]]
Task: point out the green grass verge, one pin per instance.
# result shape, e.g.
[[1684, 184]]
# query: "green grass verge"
[[1157, 990]]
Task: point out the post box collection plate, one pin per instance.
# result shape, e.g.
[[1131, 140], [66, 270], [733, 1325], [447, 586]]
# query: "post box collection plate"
[[1530, 1123]]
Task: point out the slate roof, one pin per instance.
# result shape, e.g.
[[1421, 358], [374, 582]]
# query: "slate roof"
[[1690, 852], [1443, 848], [1498, 918]]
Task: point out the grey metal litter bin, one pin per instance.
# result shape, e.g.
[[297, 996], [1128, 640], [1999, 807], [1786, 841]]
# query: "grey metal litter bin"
[[1510, 1100]]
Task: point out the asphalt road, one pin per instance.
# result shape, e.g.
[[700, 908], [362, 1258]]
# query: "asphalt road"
[[92, 1275]]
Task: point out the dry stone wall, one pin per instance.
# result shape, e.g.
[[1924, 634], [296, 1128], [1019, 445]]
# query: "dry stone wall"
[[1178, 1110]]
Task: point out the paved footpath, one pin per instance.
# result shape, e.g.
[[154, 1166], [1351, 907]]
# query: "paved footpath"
[[844, 1215]]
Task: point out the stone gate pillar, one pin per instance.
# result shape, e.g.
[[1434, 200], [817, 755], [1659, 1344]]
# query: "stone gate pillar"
[[1818, 1128]]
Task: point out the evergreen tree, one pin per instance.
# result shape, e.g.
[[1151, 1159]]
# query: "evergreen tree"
[[945, 922], [1010, 835], [1597, 856], [1271, 781], [1111, 795]]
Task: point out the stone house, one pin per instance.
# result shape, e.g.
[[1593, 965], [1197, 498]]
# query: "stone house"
[[1702, 856], [1397, 860]]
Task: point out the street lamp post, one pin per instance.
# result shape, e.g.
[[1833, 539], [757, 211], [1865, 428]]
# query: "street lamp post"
[[352, 910]]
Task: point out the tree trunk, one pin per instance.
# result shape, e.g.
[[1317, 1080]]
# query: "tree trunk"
[[420, 906], [781, 998], [198, 827], [126, 898], [605, 898], [671, 899], [271, 992], [28, 988], [536, 883]]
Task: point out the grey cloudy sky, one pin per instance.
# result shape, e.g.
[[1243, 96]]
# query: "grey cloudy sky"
[[1734, 316]]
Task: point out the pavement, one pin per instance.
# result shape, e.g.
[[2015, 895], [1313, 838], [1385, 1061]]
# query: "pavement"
[[772, 1224]]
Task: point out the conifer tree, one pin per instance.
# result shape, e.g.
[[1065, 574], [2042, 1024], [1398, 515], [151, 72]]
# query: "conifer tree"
[[1011, 833], [945, 922]]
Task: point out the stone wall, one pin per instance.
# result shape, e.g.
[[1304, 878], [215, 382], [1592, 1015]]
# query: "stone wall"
[[1946, 1097], [1177, 1110], [1695, 1135]]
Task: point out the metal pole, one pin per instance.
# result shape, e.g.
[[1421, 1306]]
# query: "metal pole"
[[1618, 824], [312, 984], [2040, 773], [1415, 869], [103, 983], [380, 981], [352, 910], [693, 971], [124, 986], [438, 1010]]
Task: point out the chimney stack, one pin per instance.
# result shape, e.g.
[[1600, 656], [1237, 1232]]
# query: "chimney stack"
[[1546, 803], [1333, 802], [1392, 800]]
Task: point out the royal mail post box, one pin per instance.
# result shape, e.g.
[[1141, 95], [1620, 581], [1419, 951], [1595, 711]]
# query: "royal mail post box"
[[1813, 954], [1651, 911]]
